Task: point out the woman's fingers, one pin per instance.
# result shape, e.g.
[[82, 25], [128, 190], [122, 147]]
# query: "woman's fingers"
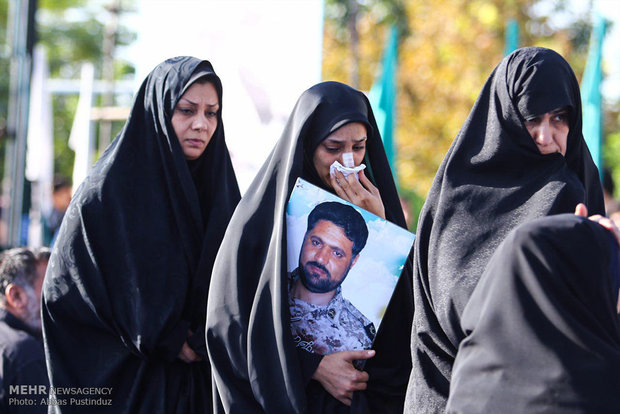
[[581, 210], [188, 355], [338, 375], [364, 195], [350, 185], [607, 224], [368, 185], [337, 180]]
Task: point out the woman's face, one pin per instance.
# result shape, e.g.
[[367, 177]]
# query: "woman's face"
[[348, 138], [195, 118], [550, 131]]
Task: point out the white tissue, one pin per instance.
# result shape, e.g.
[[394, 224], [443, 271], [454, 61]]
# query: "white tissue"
[[346, 171]]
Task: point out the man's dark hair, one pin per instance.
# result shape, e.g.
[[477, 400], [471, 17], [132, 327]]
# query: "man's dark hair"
[[19, 266], [345, 217], [42, 253], [61, 182]]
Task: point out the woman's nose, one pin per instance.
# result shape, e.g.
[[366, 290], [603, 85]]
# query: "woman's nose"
[[199, 122], [543, 135]]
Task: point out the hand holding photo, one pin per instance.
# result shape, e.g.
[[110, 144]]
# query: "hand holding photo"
[[343, 265]]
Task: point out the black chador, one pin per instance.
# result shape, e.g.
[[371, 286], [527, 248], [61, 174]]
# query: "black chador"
[[492, 179], [543, 333], [256, 366], [127, 282]]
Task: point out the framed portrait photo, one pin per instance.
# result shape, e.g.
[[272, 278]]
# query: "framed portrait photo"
[[343, 264]]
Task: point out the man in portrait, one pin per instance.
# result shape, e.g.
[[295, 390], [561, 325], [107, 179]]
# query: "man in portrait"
[[322, 320]]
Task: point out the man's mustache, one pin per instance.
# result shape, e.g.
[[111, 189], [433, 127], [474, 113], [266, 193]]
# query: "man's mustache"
[[319, 266]]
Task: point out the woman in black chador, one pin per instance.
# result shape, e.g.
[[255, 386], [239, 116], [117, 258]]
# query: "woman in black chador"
[[125, 292], [519, 156], [257, 367], [543, 333]]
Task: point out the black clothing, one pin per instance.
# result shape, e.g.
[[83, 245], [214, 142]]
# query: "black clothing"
[[492, 179], [542, 330], [256, 366], [22, 363], [129, 274]]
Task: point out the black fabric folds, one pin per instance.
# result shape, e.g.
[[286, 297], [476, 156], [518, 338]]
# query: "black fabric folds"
[[542, 330], [492, 179], [130, 271], [255, 363]]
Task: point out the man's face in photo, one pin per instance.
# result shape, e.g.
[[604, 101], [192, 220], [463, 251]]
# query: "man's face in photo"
[[326, 257]]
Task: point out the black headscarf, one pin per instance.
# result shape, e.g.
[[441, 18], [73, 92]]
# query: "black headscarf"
[[255, 363], [130, 271], [542, 330], [492, 179]]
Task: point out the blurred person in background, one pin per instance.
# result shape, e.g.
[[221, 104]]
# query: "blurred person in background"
[[23, 362], [609, 187], [61, 197]]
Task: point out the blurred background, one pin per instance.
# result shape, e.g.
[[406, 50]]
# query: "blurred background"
[[70, 69]]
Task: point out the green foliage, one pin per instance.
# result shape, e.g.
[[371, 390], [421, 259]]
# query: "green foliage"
[[611, 146], [5, 69], [72, 32], [64, 111], [385, 12], [451, 48], [412, 204], [61, 5]]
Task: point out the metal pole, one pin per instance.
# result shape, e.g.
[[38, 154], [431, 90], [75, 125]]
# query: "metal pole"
[[21, 39], [352, 23], [109, 46]]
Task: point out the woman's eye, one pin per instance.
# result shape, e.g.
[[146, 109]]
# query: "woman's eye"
[[359, 148], [211, 114], [185, 111], [332, 149]]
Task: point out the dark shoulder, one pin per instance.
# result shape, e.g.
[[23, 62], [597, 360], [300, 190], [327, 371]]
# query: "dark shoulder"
[[19, 346]]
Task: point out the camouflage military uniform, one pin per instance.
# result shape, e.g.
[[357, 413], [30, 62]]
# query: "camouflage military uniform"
[[337, 326]]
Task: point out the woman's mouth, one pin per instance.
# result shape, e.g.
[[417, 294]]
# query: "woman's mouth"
[[194, 142]]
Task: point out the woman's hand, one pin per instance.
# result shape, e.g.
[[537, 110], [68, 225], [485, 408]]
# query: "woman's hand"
[[362, 193], [607, 223], [187, 354], [339, 377]]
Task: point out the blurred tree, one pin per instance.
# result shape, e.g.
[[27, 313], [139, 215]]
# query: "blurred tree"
[[344, 17], [72, 31], [611, 145], [445, 56], [4, 80]]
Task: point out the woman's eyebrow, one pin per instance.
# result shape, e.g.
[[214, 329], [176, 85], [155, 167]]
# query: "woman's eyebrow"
[[560, 110], [213, 105], [334, 140], [340, 141]]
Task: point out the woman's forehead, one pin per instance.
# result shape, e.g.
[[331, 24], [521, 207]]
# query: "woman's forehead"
[[542, 81]]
